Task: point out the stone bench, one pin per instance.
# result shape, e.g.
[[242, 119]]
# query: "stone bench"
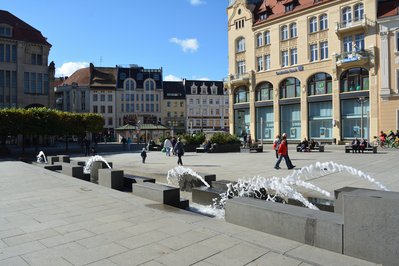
[[54, 167], [72, 170], [349, 148], [313, 227], [53, 159], [64, 158], [157, 192], [205, 195], [319, 148], [111, 178], [128, 180]]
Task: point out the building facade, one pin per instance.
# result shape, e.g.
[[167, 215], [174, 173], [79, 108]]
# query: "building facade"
[[207, 106], [304, 67], [174, 106], [25, 74]]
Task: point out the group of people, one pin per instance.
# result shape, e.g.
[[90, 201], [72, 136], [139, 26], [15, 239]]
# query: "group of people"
[[280, 145], [359, 145], [307, 146], [175, 147], [391, 136]]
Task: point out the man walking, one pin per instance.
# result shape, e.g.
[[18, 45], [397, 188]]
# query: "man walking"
[[283, 153], [179, 149]]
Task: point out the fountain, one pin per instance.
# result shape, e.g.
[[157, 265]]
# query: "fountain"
[[41, 158], [92, 165], [185, 178]]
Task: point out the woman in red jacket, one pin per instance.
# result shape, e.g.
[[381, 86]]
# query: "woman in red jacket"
[[283, 153]]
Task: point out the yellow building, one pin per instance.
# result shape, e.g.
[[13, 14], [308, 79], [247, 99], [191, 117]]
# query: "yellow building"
[[306, 67]]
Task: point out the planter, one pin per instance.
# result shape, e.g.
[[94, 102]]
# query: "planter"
[[190, 147], [216, 148]]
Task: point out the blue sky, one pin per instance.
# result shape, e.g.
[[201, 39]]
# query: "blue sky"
[[188, 38]]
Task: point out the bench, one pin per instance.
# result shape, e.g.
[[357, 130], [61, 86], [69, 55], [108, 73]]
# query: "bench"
[[160, 193], [319, 148], [200, 150], [348, 148], [129, 179]]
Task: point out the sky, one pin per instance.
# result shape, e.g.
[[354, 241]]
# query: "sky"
[[187, 38]]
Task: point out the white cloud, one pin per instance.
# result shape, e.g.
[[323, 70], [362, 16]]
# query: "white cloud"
[[69, 68], [171, 78], [188, 45], [196, 2], [203, 78]]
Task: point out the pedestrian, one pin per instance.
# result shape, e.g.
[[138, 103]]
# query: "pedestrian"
[[143, 155], [283, 153], [245, 138], [124, 141], [129, 142], [174, 141], [86, 143], [168, 146], [179, 149], [276, 144]]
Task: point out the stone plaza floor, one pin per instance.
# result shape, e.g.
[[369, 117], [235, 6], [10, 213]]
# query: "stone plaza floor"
[[47, 218]]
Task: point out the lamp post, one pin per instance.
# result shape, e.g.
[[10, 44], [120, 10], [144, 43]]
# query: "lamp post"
[[261, 131], [361, 100]]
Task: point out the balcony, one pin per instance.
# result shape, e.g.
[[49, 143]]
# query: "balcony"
[[350, 59], [353, 25], [238, 79]]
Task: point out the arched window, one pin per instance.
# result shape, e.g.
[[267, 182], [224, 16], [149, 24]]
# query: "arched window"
[[358, 11], [241, 95], [354, 79], [264, 92], [312, 24], [259, 40], [323, 22], [293, 31], [129, 84], [149, 85], [284, 33], [346, 16], [240, 45], [290, 88], [319, 83], [267, 37]]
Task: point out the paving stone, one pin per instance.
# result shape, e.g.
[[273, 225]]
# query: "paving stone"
[[24, 248], [141, 255], [14, 261], [102, 239], [143, 239], [62, 239], [272, 258], [27, 237], [186, 239]]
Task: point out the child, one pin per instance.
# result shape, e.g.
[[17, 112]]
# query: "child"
[[143, 155]]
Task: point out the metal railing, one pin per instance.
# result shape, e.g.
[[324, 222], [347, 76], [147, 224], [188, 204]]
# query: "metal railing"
[[353, 23], [352, 56], [241, 76]]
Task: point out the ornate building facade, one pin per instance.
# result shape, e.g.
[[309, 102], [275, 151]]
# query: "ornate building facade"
[[307, 68]]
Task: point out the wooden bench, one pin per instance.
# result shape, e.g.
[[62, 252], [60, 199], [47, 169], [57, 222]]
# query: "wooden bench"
[[348, 148]]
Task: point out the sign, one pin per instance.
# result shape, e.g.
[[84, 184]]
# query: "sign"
[[290, 70]]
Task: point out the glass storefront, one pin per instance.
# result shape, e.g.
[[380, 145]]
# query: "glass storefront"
[[241, 122], [351, 118], [320, 120], [290, 119], [265, 123]]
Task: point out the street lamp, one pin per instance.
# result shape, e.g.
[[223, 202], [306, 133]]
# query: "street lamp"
[[361, 100]]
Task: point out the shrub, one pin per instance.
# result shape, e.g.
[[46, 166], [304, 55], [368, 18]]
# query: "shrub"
[[196, 139], [224, 138]]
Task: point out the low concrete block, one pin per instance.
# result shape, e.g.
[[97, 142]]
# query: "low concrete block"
[[52, 159], [205, 195], [53, 167], [128, 180], [184, 203], [94, 170], [317, 228], [86, 177], [72, 170], [209, 179], [111, 178], [157, 192], [81, 163], [339, 194], [371, 230], [221, 184], [64, 158]]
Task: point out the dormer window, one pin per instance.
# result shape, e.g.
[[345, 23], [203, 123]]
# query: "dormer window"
[[263, 16], [194, 89], [5, 31], [204, 89], [289, 7]]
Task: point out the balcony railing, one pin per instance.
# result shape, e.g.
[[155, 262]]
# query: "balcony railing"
[[238, 78], [355, 57], [350, 25]]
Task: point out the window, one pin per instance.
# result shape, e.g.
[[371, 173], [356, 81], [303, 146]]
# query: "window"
[[323, 22], [293, 31], [241, 95], [240, 68], [110, 121], [95, 109], [358, 12], [26, 82], [290, 88], [264, 92], [102, 107], [313, 52], [397, 41], [5, 31], [284, 58], [289, 7], [259, 63], [348, 44], [240, 45], [110, 109], [149, 85], [110, 97], [323, 50], [359, 42], [259, 40], [263, 16], [267, 62], [312, 24], [14, 54], [346, 16], [129, 85], [294, 56], [267, 37], [193, 90], [33, 83], [102, 97], [95, 97], [320, 83], [284, 33], [354, 79]]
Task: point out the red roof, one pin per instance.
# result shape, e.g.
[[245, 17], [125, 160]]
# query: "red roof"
[[22, 31], [277, 7], [387, 8], [81, 77]]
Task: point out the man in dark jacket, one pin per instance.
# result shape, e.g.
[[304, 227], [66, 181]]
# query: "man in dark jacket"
[[179, 149]]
